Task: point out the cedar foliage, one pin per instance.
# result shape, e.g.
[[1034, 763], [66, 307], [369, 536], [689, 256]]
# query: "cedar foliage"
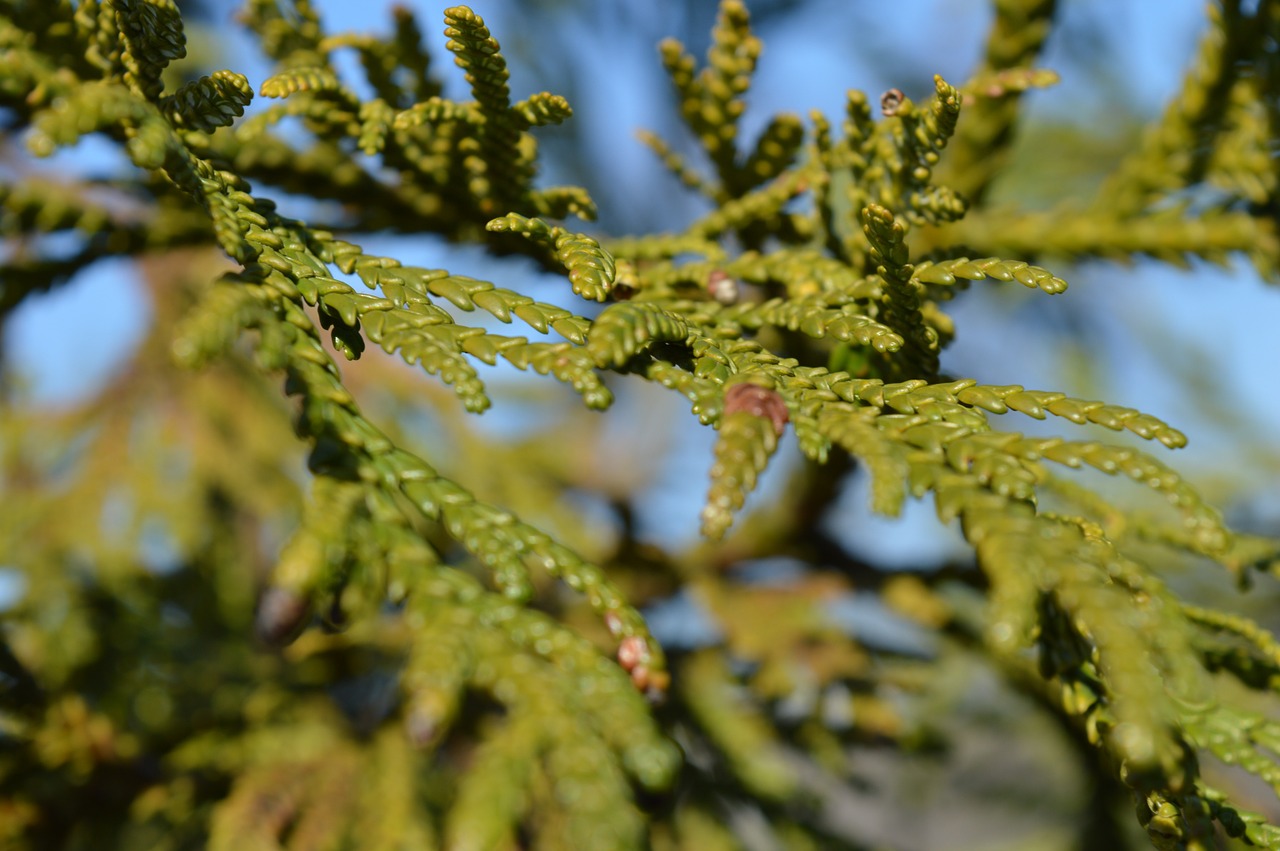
[[421, 643]]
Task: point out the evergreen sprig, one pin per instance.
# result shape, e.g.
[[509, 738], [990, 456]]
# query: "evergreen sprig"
[[380, 652]]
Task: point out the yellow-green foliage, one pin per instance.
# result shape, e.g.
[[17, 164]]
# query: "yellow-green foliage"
[[387, 651]]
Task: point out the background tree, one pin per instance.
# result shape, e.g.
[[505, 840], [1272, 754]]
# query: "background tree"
[[394, 626]]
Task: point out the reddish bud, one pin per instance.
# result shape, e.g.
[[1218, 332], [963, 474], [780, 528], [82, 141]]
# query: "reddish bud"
[[632, 653], [757, 401]]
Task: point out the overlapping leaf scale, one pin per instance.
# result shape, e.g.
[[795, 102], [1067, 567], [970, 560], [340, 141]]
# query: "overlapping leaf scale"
[[304, 799], [153, 144], [388, 815], [945, 273], [299, 781], [152, 37], [743, 736], [806, 273], [924, 133], [502, 171], [988, 480], [342, 438], [1107, 631], [844, 182], [676, 164], [314, 560], [624, 330], [452, 611], [901, 300], [933, 428], [493, 796], [979, 150], [1009, 81], [334, 424], [405, 320], [210, 102], [407, 47], [294, 38], [904, 397], [532, 750], [857, 433], [664, 246], [932, 420], [815, 318], [335, 108], [1137, 644], [591, 268], [441, 662], [1185, 819], [711, 99], [46, 206], [227, 308], [434, 110], [1237, 643], [1241, 738], [377, 118], [552, 734], [761, 206], [744, 445], [776, 150], [510, 548], [542, 109]]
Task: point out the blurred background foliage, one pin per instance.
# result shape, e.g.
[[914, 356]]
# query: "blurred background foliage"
[[837, 692]]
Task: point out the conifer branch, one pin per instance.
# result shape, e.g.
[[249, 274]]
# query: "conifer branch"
[[981, 146], [1172, 153], [457, 693]]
